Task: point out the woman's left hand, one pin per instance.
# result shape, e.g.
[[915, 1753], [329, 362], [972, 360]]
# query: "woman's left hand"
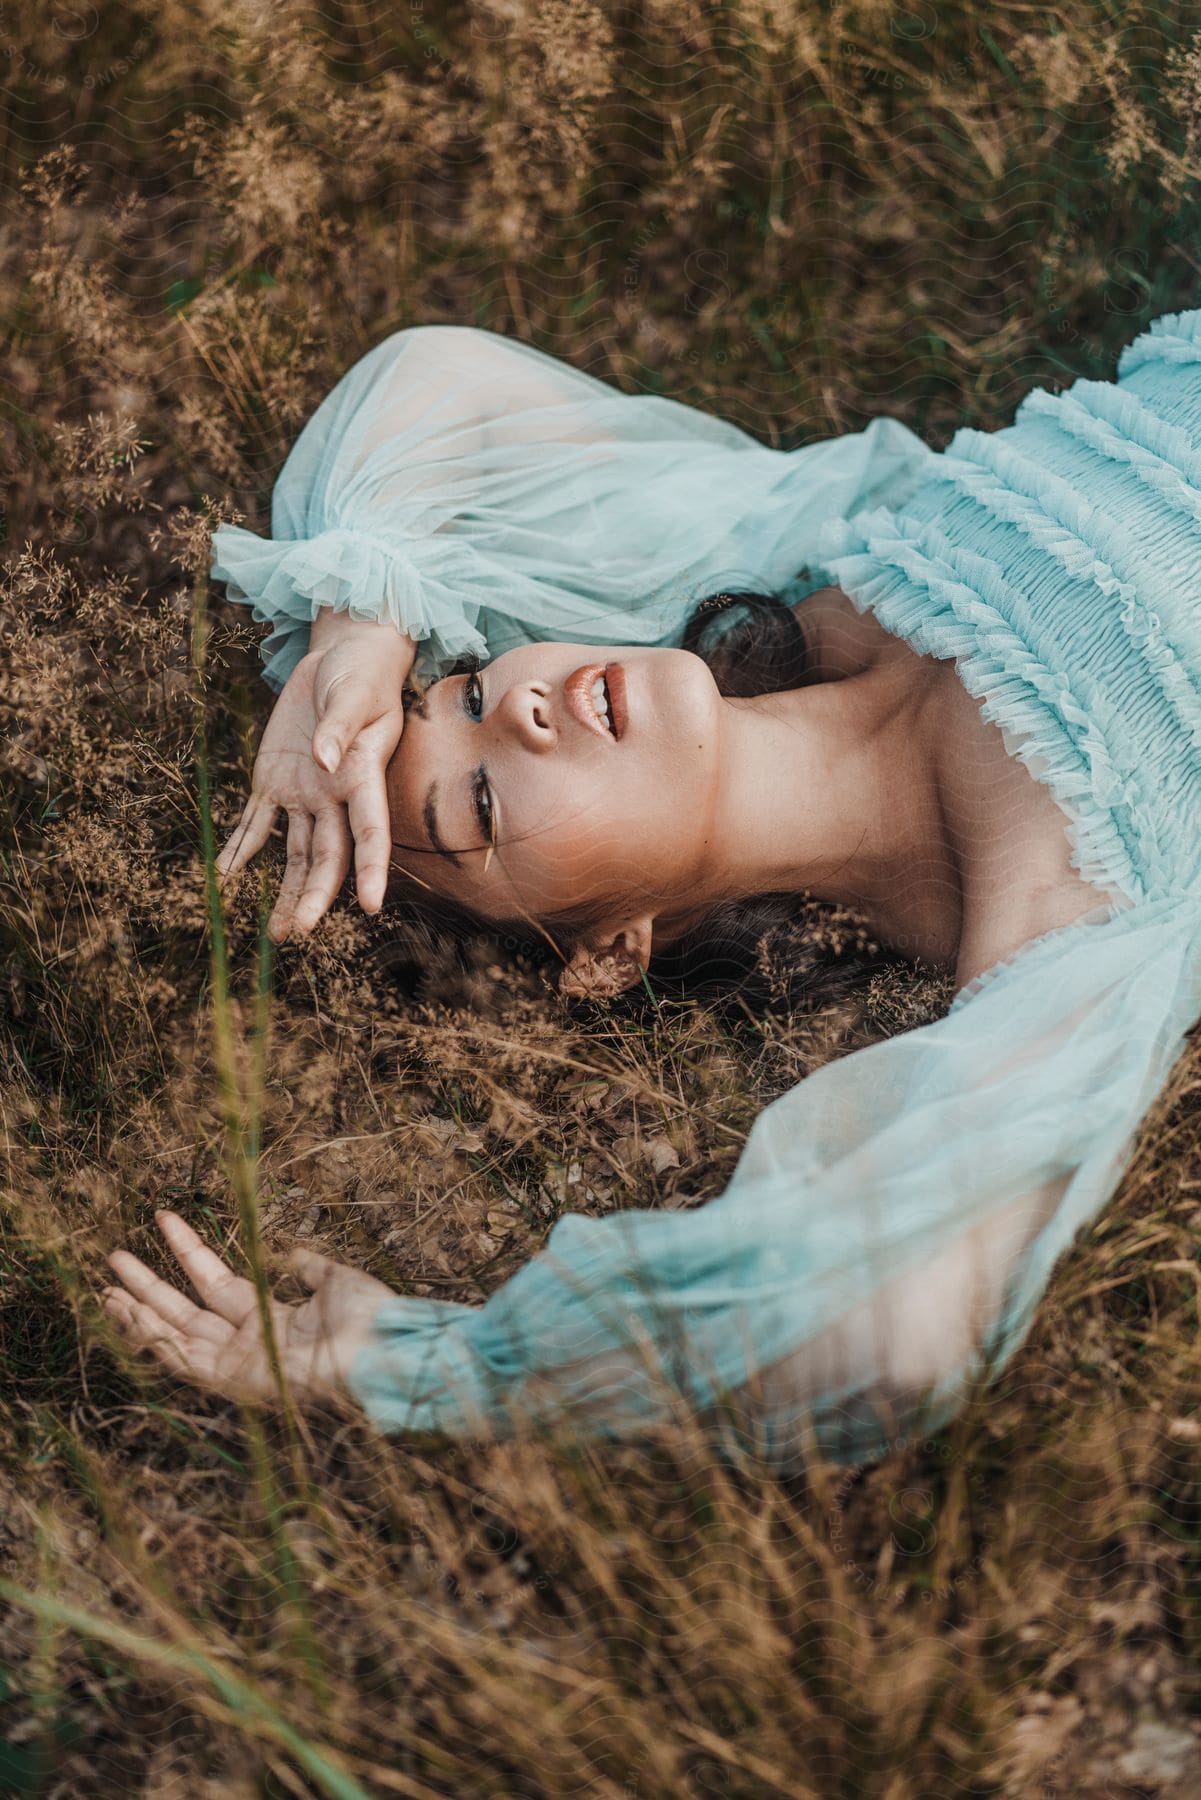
[[220, 1344], [323, 758]]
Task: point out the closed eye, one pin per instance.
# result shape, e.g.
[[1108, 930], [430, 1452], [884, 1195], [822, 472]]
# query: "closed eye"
[[481, 799], [481, 795]]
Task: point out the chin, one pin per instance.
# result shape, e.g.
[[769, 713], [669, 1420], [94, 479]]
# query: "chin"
[[682, 691]]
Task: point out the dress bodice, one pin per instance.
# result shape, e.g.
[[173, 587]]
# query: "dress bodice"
[[1059, 562]]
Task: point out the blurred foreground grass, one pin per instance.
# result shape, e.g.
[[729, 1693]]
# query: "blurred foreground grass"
[[797, 216]]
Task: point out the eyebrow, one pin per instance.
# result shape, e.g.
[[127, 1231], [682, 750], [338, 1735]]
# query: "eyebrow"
[[431, 826], [415, 703]]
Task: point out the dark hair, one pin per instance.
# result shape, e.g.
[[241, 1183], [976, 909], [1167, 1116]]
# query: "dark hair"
[[780, 949]]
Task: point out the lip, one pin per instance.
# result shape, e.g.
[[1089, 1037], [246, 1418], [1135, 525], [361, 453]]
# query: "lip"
[[619, 711], [577, 695]]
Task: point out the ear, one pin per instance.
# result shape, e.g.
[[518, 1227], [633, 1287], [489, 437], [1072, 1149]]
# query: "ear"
[[615, 962]]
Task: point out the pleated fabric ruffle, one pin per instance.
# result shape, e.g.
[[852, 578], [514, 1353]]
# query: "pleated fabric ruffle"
[[369, 574], [1058, 561]]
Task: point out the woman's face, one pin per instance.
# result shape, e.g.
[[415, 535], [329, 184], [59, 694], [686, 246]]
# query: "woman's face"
[[581, 809]]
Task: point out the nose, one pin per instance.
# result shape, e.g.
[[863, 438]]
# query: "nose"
[[524, 711]]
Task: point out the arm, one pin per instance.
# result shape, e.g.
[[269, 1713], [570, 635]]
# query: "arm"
[[478, 492], [886, 1237], [474, 493]]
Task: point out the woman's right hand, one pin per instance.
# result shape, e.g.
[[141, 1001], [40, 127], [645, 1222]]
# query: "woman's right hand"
[[220, 1344], [323, 758]]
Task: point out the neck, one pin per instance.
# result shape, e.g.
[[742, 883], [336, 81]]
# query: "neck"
[[832, 789]]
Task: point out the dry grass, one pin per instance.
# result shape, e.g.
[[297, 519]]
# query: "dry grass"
[[792, 214]]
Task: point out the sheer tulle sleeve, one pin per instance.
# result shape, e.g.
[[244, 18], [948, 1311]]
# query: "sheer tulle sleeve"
[[886, 1236], [481, 493]]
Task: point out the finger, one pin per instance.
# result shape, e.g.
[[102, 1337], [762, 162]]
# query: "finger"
[[354, 698], [144, 1330], [151, 1291], [328, 748], [371, 825], [300, 837], [353, 718], [327, 869], [343, 710], [248, 837], [200, 1324], [141, 1324], [230, 1296], [118, 1307], [312, 1268]]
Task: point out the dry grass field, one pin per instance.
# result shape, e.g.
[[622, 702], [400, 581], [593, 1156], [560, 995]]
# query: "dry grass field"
[[797, 215]]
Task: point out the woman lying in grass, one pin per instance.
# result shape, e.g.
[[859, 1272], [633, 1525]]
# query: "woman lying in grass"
[[981, 727]]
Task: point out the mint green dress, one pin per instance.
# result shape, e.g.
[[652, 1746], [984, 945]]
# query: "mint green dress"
[[893, 1221]]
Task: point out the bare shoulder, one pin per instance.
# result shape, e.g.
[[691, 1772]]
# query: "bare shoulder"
[[1011, 839], [1000, 829], [986, 942]]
